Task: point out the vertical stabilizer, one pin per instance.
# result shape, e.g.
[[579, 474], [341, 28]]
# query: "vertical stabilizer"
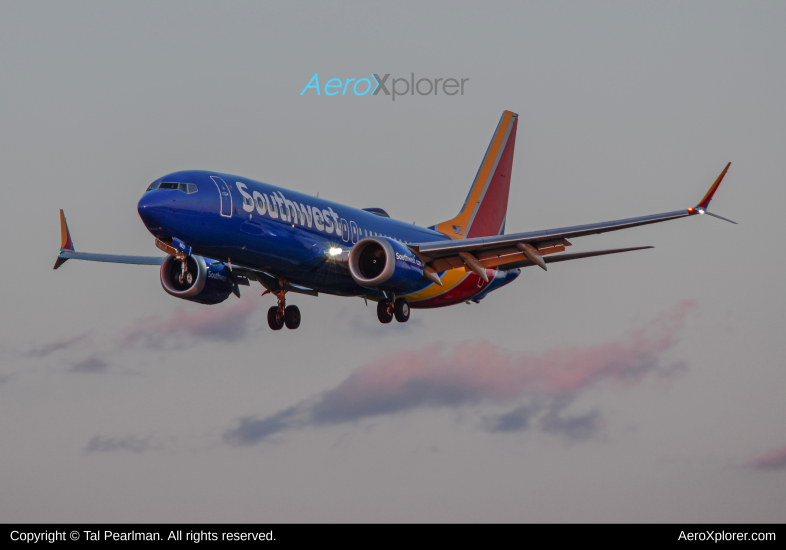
[[483, 213]]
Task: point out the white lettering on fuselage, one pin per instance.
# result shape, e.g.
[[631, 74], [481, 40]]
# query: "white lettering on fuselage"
[[277, 206], [410, 259]]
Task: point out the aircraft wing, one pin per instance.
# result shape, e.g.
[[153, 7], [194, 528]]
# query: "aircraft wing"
[[508, 251], [111, 258], [67, 252]]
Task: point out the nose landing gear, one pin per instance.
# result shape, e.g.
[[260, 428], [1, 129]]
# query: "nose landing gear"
[[282, 314], [185, 277]]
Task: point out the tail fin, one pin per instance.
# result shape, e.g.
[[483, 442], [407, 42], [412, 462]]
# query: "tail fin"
[[483, 213]]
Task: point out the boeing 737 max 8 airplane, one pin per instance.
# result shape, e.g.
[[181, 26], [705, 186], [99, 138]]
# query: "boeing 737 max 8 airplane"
[[221, 231]]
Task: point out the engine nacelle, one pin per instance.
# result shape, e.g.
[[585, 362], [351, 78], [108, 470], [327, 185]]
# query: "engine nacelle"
[[208, 284], [379, 262]]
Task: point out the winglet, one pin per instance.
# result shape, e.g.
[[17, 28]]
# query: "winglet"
[[65, 236], [705, 202], [65, 240], [701, 208]]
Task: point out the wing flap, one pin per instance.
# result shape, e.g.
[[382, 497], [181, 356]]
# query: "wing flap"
[[572, 256]]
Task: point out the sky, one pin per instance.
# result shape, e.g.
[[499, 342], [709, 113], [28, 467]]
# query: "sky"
[[640, 387]]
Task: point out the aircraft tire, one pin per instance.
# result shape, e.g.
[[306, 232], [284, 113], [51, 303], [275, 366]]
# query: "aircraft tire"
[[273, 320], [383, 314], [401, 310], [292, 317]]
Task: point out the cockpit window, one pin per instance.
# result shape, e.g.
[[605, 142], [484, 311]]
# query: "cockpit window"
[[175, 186]]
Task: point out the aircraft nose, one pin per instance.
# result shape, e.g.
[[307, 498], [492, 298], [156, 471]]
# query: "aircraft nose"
[[151, 208]]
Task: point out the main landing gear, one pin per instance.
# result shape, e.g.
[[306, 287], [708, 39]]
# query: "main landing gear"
[[282, 314], [398, 308]]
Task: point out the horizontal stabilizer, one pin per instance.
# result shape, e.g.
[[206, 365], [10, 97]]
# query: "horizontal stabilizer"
[[572, 256]]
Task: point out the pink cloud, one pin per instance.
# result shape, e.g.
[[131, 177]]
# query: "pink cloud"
[[774, 459], [482, 372], [474, 372], [208, 322], [217, 323]]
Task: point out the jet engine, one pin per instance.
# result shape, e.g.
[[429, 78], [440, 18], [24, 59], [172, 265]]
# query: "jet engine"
[[386, 264], [203, 282]]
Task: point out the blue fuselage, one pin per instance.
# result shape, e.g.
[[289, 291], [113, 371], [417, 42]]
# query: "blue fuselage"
[[264, 227]]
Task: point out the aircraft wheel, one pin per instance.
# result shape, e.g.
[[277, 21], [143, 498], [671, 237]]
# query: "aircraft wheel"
[[292, 317], [401, 310], [383, 312], [273, 319]]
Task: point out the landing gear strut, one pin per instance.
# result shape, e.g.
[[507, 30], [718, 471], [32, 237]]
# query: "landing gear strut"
[[387, 309], [185, 275], [282, 314]]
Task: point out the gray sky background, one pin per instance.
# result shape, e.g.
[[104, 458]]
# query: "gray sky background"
[[640, 387]]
